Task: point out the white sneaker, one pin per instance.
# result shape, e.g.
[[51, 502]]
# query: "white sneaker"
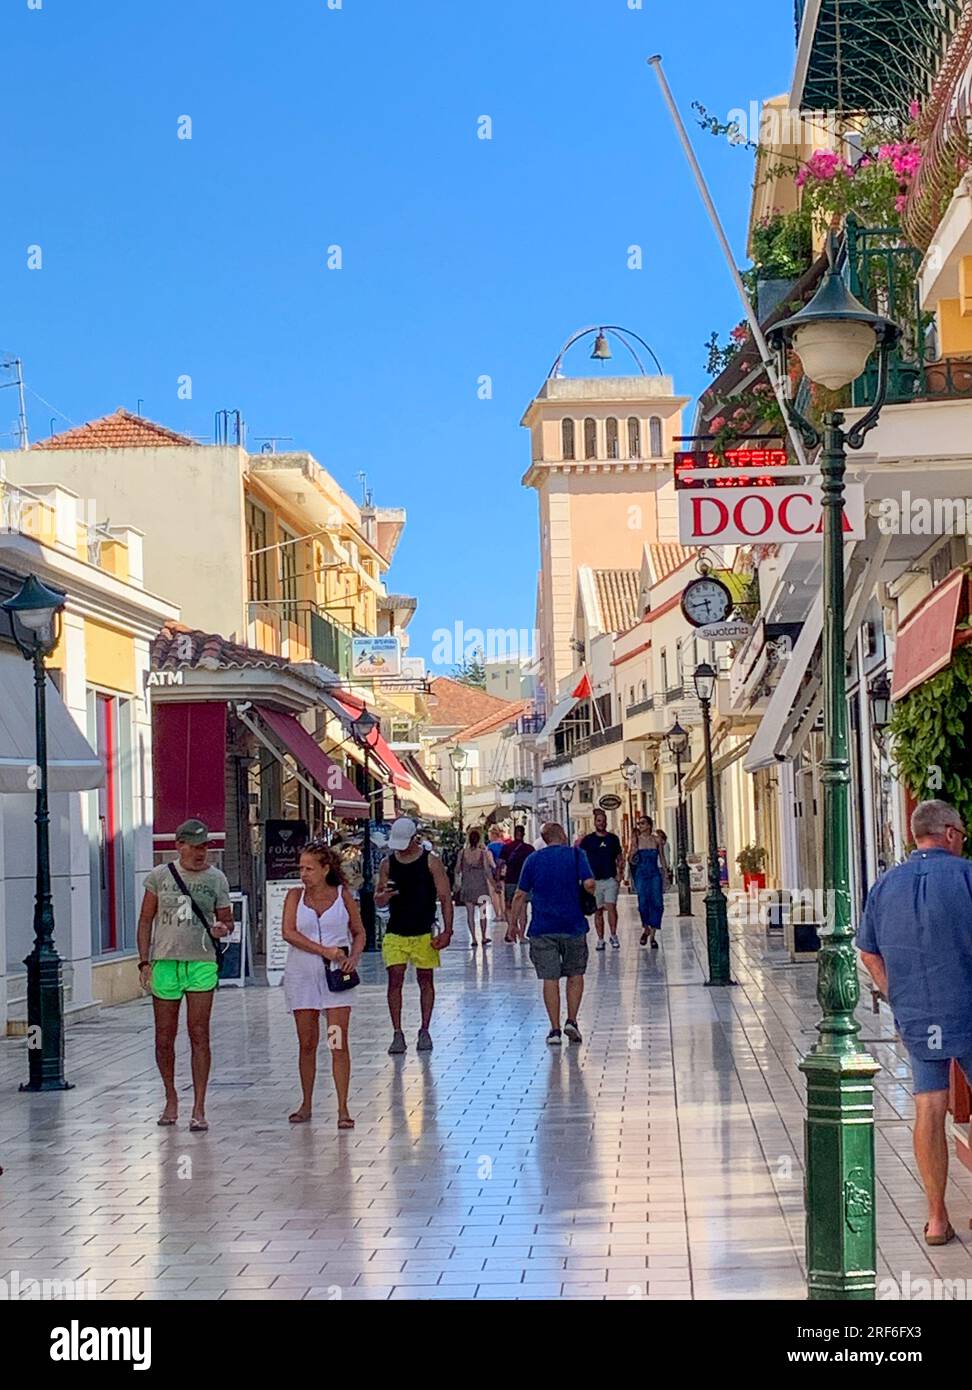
[[615, 942], [599, 946]]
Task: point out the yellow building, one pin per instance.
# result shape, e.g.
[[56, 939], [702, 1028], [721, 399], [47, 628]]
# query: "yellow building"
[[100, 747]]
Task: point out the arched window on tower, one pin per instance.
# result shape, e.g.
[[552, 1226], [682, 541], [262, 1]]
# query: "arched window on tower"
[[590, 438], [655, 436], [611, 432], [567, 438], [634, 438]]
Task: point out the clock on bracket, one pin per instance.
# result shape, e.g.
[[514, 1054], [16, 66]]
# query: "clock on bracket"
[[706, 600]]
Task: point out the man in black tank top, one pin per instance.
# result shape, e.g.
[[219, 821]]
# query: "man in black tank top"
[[413, 882]]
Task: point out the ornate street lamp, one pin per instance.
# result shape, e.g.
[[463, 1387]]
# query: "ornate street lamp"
[[458, 757], [678, 743], [567, 790], [834, 337], [35, 622], [365, 729], [716, 906]]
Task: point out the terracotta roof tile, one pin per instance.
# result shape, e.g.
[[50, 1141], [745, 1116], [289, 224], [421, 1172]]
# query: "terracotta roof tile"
[[492, 722], [454, 705], [178, 647], [617, 598], [121, 430], [668, 557]]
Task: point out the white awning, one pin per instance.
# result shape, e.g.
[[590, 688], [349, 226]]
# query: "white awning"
[[557, 716], [72, 764]]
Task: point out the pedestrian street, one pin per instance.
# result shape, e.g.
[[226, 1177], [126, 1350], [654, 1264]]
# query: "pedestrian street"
[[660, 1158]]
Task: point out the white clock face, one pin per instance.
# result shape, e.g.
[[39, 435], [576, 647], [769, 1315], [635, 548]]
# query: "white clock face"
[[706, 601]]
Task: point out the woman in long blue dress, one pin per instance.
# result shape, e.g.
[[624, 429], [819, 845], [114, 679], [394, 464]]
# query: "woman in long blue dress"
[[646, 874]]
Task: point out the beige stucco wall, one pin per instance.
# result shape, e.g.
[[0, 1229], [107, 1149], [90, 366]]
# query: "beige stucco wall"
[[189, 503]]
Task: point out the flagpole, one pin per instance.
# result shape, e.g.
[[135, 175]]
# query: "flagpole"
[[766, 357]]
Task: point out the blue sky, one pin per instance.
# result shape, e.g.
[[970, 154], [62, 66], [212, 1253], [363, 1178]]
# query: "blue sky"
[[461, 257]]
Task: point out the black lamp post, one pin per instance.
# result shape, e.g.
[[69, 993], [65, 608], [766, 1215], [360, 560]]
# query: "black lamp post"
[[364, 731], [879, 694], [35, 612], [834, 336], [678, 742], [458, 757], [716, 907], [567, 790]]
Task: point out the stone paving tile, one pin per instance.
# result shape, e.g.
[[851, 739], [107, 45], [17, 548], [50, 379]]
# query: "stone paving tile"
[[662, 1158]]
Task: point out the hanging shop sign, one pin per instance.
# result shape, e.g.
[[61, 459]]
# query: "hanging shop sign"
[[775, 514], [610, 802], [375, 658], [723, 632], [283, 842]]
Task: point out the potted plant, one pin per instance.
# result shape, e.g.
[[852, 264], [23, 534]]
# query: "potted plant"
[[751, 860]]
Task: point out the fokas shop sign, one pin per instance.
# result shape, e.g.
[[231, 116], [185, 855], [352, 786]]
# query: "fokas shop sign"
[[764, 515], [284, 841]]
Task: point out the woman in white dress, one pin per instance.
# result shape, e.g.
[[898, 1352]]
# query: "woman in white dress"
[[321, 925]]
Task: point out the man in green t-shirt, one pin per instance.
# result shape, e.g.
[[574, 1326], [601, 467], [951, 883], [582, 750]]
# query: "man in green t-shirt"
[[176, 957]]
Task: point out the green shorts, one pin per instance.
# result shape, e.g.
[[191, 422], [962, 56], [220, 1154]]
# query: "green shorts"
[[171, 979]]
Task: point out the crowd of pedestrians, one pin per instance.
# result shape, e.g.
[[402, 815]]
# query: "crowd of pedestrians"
[[543, 895]]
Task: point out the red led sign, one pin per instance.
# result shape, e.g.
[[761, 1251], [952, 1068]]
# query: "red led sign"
[[723, 464]]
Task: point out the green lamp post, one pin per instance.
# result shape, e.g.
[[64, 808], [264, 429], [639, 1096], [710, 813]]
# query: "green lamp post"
[[716, 907], [458, 758], [35, 622], [834, 335]]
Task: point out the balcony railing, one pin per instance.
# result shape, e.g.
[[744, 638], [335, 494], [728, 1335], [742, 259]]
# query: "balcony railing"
[[673, 693], [642, 707], [560, 760], [299, 631], [530, 723], [883, 273], [603, 737]]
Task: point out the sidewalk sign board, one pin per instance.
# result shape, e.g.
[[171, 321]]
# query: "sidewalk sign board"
[[236, 961], [276, 891]]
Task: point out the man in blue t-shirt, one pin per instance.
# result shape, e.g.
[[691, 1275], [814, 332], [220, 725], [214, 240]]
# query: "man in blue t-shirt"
[[915, 940], [558, 928]]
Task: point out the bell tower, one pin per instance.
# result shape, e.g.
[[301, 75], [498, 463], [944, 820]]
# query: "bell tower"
[[602, 465]]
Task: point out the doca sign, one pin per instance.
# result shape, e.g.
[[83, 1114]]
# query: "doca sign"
[[742, 515]]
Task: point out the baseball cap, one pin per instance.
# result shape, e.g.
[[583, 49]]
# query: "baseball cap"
[[193, 832], [402, 833]]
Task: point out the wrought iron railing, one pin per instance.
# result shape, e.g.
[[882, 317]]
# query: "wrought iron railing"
[[882, 271], [559, 760], [642, 707], [530, 723], [298, 629], [602, 737]]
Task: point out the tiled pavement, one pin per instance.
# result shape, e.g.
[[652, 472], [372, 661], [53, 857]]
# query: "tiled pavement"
[[661, 1158]]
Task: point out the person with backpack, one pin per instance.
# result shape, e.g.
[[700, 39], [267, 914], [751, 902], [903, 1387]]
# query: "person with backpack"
[[560, 884], [185, 911]]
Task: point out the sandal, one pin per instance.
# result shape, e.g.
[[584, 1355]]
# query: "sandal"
[[198, 1126], [346, 1123], [163, 1121], [299, 1119], [943, 1239]]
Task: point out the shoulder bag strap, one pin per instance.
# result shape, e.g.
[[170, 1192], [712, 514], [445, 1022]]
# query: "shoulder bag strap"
[[217, 946]]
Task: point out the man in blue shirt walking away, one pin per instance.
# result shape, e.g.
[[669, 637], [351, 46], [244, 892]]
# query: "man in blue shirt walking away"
[[552, 877], [915, 940]]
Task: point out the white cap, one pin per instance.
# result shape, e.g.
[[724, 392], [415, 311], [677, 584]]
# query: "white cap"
[[402, 833]]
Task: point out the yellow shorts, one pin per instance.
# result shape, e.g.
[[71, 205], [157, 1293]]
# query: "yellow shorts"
[[409, 950]]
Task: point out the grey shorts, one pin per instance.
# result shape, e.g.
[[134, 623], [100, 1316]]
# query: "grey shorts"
[[508, 891], [558, 956], [605, 891]]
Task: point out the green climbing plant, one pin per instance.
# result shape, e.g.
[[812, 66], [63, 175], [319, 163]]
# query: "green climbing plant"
[[931, 730]]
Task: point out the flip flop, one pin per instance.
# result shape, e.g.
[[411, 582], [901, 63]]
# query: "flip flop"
[[163, 1122], [943, 1239], [198, 1126], [297, 1119], [346, 1124]]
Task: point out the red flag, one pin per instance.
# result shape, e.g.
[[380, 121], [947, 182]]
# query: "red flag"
[[583, 691]]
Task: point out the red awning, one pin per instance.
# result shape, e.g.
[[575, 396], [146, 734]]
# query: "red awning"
[[927, 637], [347, 800], [352, 707]]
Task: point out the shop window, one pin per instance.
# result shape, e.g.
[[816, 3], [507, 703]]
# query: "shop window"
[[567, 439], [634, 438]]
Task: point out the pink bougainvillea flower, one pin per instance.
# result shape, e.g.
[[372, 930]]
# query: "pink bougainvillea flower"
[[719, 423], [740, 333], [914, 110]]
